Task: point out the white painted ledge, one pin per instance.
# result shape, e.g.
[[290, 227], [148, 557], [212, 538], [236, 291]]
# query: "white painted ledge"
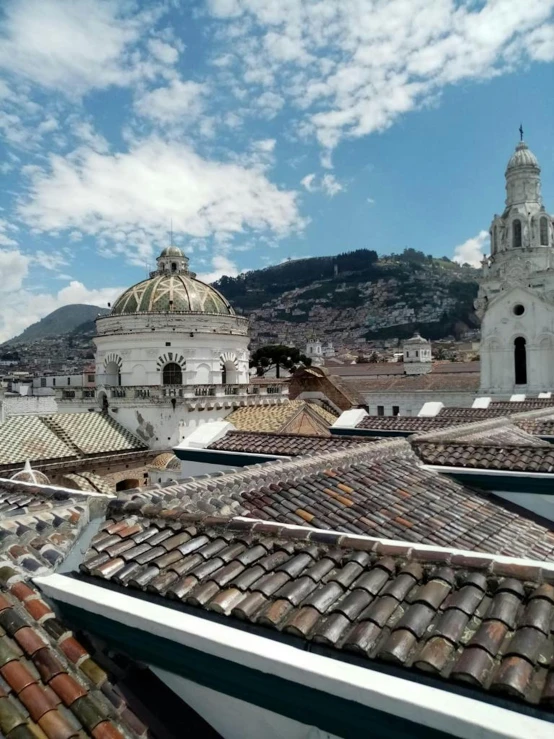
[[428, 706], [350, 419]]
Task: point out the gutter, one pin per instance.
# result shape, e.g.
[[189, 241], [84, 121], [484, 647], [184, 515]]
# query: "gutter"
[[431, 707]]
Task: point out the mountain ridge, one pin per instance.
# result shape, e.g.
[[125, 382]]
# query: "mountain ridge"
[[64, 320]]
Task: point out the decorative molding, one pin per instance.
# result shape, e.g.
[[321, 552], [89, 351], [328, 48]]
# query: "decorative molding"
[[112, 357], [168, 357]]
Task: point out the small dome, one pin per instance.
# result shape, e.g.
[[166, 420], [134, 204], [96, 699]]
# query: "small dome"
[[162, 460], [416, 339], [172, 251], [522, 157], [28, 474]]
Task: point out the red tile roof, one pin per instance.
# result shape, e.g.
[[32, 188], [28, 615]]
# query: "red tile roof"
[[454, 617], [289, 445]]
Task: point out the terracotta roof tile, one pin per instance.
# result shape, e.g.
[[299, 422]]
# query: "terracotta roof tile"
[[291, 445], [485, 623], [274, 418], [412, 424], [378, 489], [522, 458]]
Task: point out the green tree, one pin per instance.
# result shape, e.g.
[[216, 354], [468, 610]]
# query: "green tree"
[[278, 355]]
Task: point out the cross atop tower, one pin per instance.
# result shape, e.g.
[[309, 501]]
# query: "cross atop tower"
[[521, 131]]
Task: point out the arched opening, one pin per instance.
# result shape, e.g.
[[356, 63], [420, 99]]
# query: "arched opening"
[[127, 484], [113, 374], [520, 361], [544, 232], [516, 229], [229, 374], [172, 374], [173, 267]]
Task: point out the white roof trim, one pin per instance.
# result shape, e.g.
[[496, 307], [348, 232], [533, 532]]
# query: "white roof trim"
[[428, 706], [493, 473], [70, 491]]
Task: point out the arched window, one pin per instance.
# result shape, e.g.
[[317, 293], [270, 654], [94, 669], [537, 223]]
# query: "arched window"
[[229, 374], [516, 228], [172, 374], [113, 374], [544, 232], [173, 267], [520, 361]]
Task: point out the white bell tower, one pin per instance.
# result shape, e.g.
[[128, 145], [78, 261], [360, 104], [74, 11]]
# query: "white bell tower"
[[516, 294]]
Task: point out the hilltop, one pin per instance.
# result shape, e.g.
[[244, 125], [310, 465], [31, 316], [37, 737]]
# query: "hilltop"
[[356, 296], [61, 321]]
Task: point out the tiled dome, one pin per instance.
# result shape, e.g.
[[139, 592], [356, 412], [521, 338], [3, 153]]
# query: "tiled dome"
[[162, 460], [28, 474], [522, 157], [172, 288]]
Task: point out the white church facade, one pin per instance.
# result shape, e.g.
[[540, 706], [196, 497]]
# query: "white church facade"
[[516, 295]]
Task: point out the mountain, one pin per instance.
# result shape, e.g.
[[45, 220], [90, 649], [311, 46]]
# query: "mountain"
[[356, 297], [64, 320]]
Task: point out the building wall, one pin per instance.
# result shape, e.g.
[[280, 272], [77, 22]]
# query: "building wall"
[[160, 425], [29, 404], [140, 345], [501, 327], [410, 404], [236, 719]]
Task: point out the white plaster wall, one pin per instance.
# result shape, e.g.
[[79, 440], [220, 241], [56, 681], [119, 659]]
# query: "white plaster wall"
[[159, 425], [234, 718], [501, 327], [411, 403], [29, 404]]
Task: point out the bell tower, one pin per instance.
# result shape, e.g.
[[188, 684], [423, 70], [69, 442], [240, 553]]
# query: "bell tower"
[[516, 293]]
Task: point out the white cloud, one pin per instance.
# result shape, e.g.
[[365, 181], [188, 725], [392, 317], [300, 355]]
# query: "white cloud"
[[328, 184], [50, 260], [354, 67], [75, 46], [308, 182], [176, 102], [6, 229], [20, 307], [127, 200], [221, 265], [162, 51], [14, 267], [472, 250]]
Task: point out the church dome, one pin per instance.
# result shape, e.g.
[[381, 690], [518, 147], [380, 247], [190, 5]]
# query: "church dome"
[[522, 157], [172, 251], [172, 288], [28, 474]]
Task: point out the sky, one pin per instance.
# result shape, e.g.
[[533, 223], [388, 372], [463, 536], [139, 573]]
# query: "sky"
[[256, 131]]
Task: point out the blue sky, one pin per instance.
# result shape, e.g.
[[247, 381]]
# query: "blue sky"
[[262, 130]]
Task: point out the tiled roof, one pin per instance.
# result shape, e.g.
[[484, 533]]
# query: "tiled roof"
[[27, 437], [470, 414], [88, 481], [327, 416], [443, 382], [413, 424], [62, 436], [457, 618], [499, 431], [94, 433], [50, 686], [529, 404], [537, 426], [290, 445], [521, 458], [272, 417], [369, 369], [379, 489]]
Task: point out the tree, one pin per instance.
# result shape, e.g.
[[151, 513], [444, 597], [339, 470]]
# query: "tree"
[[278, 355]]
